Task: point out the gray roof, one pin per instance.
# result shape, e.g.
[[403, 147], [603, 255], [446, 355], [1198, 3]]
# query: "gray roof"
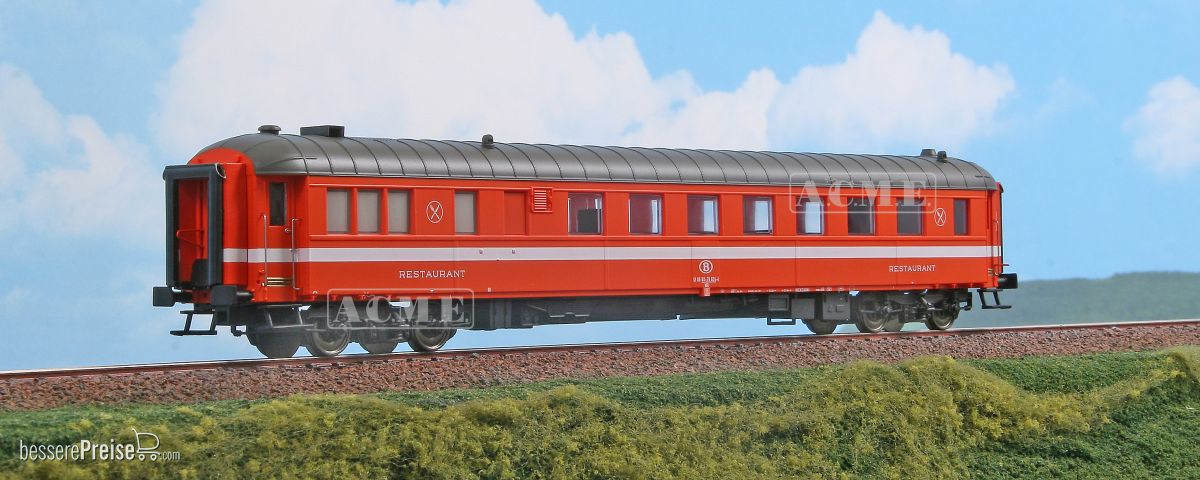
[[384, 157]]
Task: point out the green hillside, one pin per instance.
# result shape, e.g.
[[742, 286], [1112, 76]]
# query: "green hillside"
[[1125, 415], [1122, 297]]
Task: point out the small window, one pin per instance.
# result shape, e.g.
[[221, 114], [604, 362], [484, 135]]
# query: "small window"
[[585, 210], [861, 216], [910, 216], [397, 211], [810, 216], [756, 214], [368, 211], [464, 212], [702, 214], [277, 196], [645, 214], [337, 211], [961, 207]]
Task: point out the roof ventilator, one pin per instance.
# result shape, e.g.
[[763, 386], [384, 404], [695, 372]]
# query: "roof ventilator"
[[336, 131], [942, 156], [269, 129], [488, 142]]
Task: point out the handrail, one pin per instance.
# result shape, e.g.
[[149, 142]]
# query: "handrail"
[[292, 234], [266, 261]]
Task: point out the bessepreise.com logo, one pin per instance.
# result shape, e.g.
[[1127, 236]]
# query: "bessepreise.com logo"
[[143, 448]]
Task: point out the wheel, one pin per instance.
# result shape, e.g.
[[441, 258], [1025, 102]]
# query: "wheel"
[[429, 339], [327, 342], [868, 314], [821, 327], [275, 345], [869, 321], [941, 319], [379, 347], [893, 323]]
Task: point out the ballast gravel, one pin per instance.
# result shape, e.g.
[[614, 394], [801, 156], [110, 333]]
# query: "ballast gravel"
[[485, 369]]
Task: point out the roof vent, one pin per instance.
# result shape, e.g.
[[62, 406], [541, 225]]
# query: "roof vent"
[[488, 142], [324, 130], [927, 152], [269, 129], [942, 156]]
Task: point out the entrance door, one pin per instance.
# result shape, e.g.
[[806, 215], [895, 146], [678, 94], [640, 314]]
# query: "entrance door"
[[995, 234], [195, 225], [279, 223], [191, 232]]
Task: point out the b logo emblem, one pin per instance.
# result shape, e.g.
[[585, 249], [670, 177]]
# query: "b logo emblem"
[[939, 216], [433, 211], [706, 266]]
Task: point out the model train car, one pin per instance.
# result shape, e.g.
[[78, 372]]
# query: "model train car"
[[319, 239]]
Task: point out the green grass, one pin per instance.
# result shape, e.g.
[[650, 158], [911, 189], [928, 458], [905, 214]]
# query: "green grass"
[[1132, 415]]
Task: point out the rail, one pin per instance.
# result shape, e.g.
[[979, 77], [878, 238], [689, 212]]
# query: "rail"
[[582, 347]]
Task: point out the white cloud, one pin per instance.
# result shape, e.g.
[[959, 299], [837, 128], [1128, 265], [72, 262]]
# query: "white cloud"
[[900, 86], [1166, 129], [508, 68], [64, 175], [382, 68], [115, 190], [26, 115], [732, 120]]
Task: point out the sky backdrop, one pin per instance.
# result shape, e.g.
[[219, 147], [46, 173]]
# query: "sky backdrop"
[[1089, 116]]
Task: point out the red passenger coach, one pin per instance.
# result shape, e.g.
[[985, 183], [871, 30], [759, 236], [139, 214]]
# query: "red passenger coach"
[[320, 239]]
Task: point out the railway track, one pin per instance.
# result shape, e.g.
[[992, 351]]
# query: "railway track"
[[247, 364]]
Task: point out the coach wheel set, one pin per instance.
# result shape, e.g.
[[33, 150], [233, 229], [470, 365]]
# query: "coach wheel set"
[[875, 313], [280, 332], [331, 342]]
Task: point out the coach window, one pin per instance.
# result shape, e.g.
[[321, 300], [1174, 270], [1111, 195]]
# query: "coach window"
[[337, 211], [702, 214], [464, 212], [909, 216], [960, 216], [368, 211], [585, 210], [861, 216], [810, 216], [756, 214], [397, 211], [277, 197], [645, 214]]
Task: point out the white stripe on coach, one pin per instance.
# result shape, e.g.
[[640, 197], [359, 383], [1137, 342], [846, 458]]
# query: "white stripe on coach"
[[402, 254]]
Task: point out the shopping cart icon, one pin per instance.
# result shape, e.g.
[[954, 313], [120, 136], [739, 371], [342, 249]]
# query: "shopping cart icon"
[[144, 451]]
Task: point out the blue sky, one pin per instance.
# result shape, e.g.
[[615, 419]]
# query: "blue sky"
[[1089, 116]]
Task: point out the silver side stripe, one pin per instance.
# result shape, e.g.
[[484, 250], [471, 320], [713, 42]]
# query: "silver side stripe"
[[463, 254]]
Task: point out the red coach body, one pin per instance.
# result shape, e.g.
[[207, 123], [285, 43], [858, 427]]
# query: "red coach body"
[[323, 239]]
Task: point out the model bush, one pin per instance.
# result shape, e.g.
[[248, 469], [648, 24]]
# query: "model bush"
[[931, 417]]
